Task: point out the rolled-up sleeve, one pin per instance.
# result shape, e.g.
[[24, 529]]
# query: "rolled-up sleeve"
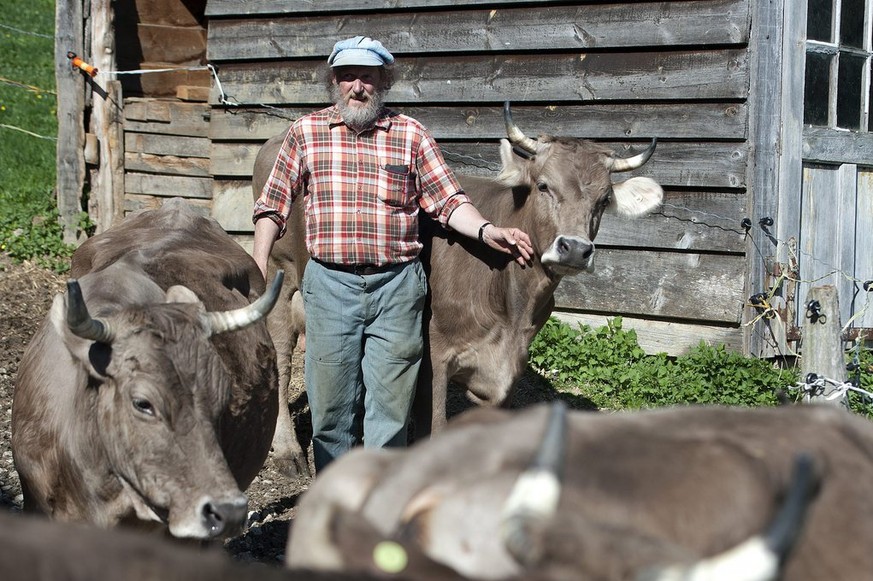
[[282, 186], [440, 191]]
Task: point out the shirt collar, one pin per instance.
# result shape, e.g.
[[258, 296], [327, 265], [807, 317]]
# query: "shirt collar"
[[383, 122]]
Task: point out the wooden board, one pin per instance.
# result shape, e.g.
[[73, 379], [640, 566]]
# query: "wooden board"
[[232, 205], [668, 337], [166, 164], [136, 203], [180, 45], [159, 144], [531, 28], [683, 74], [685, 286], [168, 186], [724, 121], [687, 221], [168, 117], [713, 165]]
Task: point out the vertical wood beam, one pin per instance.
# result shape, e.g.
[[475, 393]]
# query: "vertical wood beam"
[[823, 343], [71, 110]]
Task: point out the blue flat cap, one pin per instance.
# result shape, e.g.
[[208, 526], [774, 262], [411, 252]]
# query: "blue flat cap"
[[360, 50]]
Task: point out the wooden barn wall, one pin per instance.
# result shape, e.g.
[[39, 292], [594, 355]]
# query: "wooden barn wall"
[[619, 73]]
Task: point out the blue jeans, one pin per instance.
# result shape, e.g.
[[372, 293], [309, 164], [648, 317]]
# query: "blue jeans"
[[363, 351]]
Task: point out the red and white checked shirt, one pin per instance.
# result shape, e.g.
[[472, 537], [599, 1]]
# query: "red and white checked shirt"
[[362, 191]]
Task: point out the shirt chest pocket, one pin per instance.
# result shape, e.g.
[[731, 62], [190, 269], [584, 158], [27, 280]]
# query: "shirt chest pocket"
[[396, 185]]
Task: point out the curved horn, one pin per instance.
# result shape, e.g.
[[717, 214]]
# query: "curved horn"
[[759, 558], [79, 320], [515, 134], [225, 321], [534, 498], [627, 164]]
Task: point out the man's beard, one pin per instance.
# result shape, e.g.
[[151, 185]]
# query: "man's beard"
[[359, 117]]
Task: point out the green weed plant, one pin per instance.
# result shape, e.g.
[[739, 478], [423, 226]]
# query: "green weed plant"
[[607, 366]]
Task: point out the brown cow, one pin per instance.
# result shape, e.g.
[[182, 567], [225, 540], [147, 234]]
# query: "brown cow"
[[643, 495], [484, 310], [162, 407]]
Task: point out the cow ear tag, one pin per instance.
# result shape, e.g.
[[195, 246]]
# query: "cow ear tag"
[[390, 557]]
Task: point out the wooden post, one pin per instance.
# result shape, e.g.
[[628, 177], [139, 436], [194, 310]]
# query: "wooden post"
[[822, 352], [107, 182], [71, 114]]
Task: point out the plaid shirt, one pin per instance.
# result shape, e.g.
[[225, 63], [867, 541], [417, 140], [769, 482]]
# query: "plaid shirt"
[[362, 191]]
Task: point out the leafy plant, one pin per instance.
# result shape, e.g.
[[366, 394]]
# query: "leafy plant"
[[607, 366]]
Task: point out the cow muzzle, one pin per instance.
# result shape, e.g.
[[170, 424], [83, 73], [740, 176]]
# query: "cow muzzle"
[[569, 255], [213, 518]]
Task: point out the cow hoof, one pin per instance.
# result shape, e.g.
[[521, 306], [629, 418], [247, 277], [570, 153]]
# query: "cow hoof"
[[292, 465]]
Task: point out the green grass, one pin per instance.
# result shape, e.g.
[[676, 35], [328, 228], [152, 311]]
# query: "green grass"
[[29, 229]]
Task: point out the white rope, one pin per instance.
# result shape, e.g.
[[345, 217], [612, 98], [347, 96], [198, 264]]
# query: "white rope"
[[147, 71]]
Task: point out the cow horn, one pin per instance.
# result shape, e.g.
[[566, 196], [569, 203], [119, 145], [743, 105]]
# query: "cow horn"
[[759, 558], [79, 320], [534, 498], [516, 136], [225, 321], [627, 164]]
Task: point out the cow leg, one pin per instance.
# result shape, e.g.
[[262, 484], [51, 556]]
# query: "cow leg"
[[284, 325]]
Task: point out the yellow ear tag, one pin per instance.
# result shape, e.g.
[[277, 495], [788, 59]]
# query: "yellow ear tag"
[[390, 557]]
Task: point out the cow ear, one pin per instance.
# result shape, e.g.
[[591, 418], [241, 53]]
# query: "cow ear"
[[515, 170], [181, 294], [636, 197], [95, 357]]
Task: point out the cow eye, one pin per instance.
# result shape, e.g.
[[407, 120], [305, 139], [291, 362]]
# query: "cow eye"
[[543, 187], [143, 406]]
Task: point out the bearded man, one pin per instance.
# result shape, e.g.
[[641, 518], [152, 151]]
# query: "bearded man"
[[365, 173]]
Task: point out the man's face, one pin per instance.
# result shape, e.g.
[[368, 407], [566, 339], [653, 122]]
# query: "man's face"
[[357, 92]]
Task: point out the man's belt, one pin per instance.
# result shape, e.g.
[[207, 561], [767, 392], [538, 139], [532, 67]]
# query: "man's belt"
[[359, 269]]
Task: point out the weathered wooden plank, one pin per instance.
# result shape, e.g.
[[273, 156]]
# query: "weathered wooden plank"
[[686, 75], [166, 12], [136, 203], [163, 83], [181, 45], [823, 353], [697, 165], [159, 144], [168, 117], [692, 287], [595, 121], [237, 8], [70, 82], [827, 232], [829, 146], [232, 205], [694, 221], [601, 26], [668, 337], [863, 303], [166, 164], [168, 186]]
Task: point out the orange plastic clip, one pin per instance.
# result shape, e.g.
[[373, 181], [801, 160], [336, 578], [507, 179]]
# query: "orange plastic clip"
[[79, 63]]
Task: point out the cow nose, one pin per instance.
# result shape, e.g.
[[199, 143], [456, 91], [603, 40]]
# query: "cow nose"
[[224, 517], [572, 249]]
